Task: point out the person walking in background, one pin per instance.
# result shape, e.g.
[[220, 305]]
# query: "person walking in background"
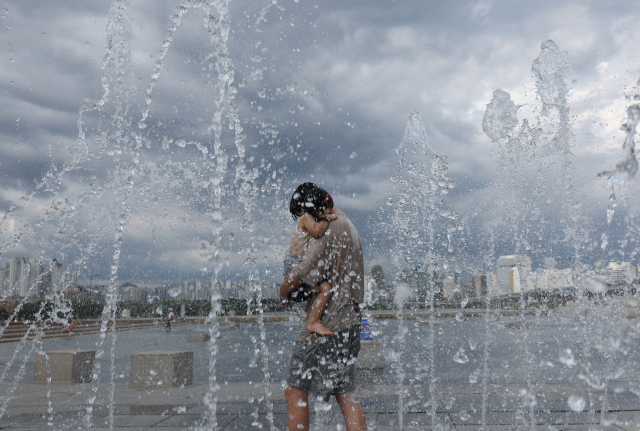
[[170, 317], [70, 324], [325, 365]]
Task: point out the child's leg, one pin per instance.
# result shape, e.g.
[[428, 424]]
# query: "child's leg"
[[319, 304]]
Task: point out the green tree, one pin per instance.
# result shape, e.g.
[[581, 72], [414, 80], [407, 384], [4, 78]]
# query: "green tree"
[[378, 275]]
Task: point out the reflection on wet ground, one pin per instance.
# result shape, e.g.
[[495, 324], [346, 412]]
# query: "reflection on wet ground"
[[554, 356]]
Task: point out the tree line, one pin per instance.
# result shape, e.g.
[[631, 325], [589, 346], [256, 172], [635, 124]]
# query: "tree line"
[[137, 309]]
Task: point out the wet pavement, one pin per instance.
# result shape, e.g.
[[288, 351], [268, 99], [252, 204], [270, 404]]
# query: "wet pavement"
[[506, 372]]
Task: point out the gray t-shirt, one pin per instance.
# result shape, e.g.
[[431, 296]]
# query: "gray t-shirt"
[[336, 257]]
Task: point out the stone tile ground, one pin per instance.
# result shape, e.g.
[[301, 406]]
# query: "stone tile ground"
[[182, 408], [459, 401]]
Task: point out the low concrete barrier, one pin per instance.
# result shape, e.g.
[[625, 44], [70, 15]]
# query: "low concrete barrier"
[[65, 366], [370, 356], [198, 337], [161, 368]]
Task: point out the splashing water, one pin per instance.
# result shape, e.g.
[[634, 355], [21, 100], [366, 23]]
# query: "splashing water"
[[425, 232], [423, 177]]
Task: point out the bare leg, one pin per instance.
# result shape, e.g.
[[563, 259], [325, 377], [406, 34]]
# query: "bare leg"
[[319, 304], [354, 417], [297, 409]]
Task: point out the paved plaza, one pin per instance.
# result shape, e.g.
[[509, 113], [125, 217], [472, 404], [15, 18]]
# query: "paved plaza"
[[522, 379]]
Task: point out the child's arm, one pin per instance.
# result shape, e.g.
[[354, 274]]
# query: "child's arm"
[[316, 228]]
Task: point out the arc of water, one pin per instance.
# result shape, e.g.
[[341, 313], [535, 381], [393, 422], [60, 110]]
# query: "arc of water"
[[49, 401], [37, 341], [487, 336], [218, 27], [422, 175], [432, 354], [624, 171], [174, 23], [117, 58], [16, 380], [263, 12]]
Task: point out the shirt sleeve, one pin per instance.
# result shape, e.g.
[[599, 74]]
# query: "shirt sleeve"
[[309, 269]]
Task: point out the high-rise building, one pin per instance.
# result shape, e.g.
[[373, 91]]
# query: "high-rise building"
[[509, 281], [55, 272], [18, 276], [480, 285], [449, 288], [622, 273], [548, 279], [3, 280]]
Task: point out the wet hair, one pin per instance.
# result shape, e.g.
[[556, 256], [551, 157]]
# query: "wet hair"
[[297, 202], [310, 199]]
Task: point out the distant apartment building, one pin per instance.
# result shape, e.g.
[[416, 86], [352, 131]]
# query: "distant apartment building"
[[622, 273], [18, 280], [448, 288], [22, 277], [480, 285], [510, 272], [84, 296], [131, 292], [492, 283], [548, 279], [468, 291]]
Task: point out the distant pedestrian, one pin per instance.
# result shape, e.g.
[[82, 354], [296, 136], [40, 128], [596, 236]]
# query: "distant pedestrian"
[[170, 317], [70, 324], [232, 314]]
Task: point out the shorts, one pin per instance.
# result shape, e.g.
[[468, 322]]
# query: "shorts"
[[326, 366]]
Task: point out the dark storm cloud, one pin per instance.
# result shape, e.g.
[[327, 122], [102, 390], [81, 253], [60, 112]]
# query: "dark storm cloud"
[[324, 90]]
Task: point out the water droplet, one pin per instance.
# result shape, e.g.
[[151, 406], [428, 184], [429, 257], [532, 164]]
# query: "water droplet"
[[500, 117], [473, 377], [576, 403], [460, 357], [592, 285], [180, 409], [473, 344], [528, 398], [566, 357]]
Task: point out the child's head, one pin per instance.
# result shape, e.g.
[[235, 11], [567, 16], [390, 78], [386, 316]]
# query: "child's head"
[[297, 202], [311, 199]]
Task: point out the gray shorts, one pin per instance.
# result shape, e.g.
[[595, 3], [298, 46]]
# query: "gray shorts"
[[327, 366]]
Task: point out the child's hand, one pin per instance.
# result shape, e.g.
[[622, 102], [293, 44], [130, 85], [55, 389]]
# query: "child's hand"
[[331, 217]]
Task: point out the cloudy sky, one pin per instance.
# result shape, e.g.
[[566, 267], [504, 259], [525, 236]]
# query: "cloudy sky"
[[323, 91]]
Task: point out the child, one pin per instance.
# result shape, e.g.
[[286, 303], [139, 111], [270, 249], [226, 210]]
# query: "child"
[[311, 206]]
